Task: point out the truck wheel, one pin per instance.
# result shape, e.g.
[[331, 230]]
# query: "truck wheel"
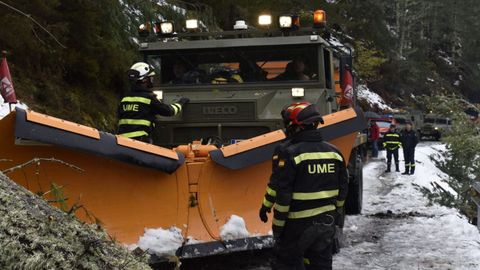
[[353, 205]]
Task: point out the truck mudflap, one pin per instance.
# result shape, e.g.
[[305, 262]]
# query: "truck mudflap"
[[259, 149], [36, 127]]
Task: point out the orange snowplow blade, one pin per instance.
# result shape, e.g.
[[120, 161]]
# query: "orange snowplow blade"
[[130, 186]]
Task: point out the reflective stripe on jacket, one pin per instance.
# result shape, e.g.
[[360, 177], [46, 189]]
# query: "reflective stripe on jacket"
[[309, 177], [391, 140], [137, 110]]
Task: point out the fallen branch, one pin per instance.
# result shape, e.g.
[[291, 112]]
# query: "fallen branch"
[[37, 161]]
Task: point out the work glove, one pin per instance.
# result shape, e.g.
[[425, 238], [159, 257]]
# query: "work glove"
[[263, 213], [184, 100]]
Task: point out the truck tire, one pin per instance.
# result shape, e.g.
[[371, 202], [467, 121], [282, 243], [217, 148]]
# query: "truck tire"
[[353, 204]]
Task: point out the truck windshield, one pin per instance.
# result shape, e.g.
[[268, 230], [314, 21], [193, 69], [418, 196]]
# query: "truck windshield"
[[429, 120], [441, 121], [236, 65], [383, 124]]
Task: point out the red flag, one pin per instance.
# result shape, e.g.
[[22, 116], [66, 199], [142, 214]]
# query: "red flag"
[[7, 91], [347, 88]]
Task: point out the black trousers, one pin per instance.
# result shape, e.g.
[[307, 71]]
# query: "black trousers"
[[305, 246], [409, 156], [393, 153]]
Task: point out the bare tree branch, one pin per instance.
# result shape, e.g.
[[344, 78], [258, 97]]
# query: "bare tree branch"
[[37, 160], [35, 21]]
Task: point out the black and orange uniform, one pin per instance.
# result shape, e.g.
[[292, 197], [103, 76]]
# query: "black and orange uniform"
[[309, 182], [409, 140], [137, 112], [392, 142]]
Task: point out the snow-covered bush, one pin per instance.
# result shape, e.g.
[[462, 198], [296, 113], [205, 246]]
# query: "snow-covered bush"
[[461, 158]]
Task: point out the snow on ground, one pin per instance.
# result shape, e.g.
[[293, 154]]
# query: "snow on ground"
[[161, 242], [398, 230], [235, 228], [372, 98]]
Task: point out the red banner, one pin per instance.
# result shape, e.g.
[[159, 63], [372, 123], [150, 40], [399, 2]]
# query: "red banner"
[[7, 91], [347, 88]]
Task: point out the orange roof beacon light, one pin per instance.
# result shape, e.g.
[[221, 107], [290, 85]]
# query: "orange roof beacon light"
[[144, 29], [295, 22], [319, 18]]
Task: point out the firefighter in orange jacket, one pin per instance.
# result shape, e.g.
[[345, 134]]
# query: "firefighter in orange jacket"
[[307, 190], [138, 109]]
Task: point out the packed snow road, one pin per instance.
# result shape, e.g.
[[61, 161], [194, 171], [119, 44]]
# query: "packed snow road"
[[398, 229]]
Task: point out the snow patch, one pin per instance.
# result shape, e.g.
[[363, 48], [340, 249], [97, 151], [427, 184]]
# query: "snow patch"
[[5, 107], [161, 242], [235, 228], [423, 234], [192, 241], [339, 45], [372, 98]]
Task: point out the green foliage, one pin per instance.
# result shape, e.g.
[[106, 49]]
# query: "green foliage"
[[368, 61], [461, 159], [81, 82]]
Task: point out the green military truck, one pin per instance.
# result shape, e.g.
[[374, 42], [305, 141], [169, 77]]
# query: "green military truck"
[[239, 81], [435, 126]]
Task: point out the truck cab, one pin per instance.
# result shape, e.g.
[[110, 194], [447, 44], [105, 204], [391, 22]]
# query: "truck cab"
[[238, 82]]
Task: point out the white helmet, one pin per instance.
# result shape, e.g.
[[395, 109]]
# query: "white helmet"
[[140, 71]]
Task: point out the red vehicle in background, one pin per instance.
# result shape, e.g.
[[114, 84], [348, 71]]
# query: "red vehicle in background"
[[383, 125]]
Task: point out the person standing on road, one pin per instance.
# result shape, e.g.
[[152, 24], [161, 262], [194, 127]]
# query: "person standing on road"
[[392, 142], [307, 190], [409, 140], [138, 109], [374, 137]]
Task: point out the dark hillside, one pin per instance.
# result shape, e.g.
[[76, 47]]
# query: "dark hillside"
[[404, 48]]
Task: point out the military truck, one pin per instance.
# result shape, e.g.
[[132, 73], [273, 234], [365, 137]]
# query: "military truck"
[[214, 159], [435, 126]]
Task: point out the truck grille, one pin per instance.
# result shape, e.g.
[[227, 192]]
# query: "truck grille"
[[219, 112]]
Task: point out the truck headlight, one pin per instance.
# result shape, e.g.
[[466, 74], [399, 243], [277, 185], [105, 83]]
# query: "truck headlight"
[[298, 92], [265, 20], [166, 28], [191, 24], [285, 22], [240, 25], [436, 128]]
